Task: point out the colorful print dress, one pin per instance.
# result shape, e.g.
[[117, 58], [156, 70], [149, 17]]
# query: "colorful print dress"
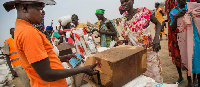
[[106, 39], [138, 33]]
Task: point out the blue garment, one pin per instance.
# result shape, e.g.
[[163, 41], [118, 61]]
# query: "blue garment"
[[173, 12], [49, 28], [196, 54], [73, 61]]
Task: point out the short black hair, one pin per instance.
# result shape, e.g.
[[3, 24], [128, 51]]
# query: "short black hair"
[[11, 29], [74, 15], [157, 3]]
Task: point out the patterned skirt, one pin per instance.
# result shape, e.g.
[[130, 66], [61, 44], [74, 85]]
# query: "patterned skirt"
[[174, 48], [154, 69]]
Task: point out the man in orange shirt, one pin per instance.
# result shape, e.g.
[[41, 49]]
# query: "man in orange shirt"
[[42, 65]]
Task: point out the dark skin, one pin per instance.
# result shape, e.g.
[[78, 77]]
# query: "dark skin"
[[75, 21], [8, 58], [109, 26], [33, 15], [50, 31], [121, 11], [156, 6], [173, 26], [182, 4], [128, 6]]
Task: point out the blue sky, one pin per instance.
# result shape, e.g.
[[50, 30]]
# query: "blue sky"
[[85, 9]]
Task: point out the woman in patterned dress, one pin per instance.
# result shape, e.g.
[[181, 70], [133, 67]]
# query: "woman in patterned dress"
[[107, 29], [138, 33]]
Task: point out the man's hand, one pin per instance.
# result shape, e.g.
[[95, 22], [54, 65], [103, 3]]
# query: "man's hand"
[[119, 42], [89, 69], [181, 13], [66, 58], [14, 73]]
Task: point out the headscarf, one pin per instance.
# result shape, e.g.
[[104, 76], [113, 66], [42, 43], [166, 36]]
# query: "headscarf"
[[49, 28], [100, 11], [120, 8]]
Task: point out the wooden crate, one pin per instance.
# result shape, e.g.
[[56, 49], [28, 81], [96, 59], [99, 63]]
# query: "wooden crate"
[[119, 65]]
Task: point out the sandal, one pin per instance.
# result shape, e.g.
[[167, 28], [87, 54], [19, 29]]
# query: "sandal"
[[178, 82], [195, 85]]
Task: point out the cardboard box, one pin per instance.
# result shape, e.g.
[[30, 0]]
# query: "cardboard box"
[[119, 65], [65, 48]]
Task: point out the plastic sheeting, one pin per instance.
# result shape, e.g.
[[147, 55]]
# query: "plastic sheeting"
[[143, 81]]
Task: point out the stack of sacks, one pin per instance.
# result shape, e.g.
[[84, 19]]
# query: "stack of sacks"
[[5, 75], [2, 61], [64, 20], [78, 43], [84, 43], [66, 66], [92, 48]]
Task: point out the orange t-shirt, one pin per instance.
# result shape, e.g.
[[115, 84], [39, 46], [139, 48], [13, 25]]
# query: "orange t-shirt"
[[33, 46]]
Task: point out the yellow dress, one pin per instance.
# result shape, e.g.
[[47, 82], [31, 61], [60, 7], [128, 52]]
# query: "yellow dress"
[[159, 17]]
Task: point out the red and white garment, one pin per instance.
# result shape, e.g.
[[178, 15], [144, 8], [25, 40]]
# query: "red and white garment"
[[77, 33]]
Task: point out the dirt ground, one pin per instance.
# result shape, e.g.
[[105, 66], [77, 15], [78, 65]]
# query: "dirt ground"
[[169, 71]]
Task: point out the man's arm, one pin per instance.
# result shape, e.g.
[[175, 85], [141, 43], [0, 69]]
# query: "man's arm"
[[156, 41], [46, 73], [66, 58], [158, 25], [162, 12], [111, 27], [173, 26], [10, 66]]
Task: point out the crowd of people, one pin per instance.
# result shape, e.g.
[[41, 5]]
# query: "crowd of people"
[[32, 52]]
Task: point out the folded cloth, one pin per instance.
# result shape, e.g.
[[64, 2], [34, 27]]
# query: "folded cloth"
[[73, 61]]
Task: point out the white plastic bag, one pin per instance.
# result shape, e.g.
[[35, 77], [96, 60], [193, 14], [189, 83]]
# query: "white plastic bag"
[[68, 81], [64, 20], [112, 44], [68, 33]]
